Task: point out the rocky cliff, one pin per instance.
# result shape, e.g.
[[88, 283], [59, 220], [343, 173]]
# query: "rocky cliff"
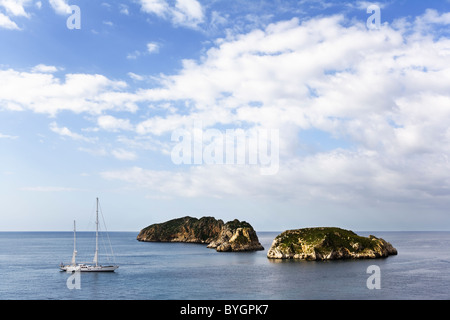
[[327, 244], [231, 236], [236, 236], [185, 229]]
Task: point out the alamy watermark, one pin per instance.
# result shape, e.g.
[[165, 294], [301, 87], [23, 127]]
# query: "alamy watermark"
[[74, 281], [258, 147], [374, 21], [374, 281], [74, 20]]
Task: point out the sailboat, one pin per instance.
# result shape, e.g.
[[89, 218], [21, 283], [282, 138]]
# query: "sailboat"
[[83, 267]]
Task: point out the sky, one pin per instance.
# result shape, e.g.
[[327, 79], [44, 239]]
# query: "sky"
[[285, 114]]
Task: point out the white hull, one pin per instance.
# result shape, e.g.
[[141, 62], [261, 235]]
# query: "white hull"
[[88, 268]]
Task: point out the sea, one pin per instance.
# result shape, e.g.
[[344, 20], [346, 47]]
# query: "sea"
[[29, 270]]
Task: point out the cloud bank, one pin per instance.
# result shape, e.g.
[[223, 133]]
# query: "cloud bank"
[[378, 99]]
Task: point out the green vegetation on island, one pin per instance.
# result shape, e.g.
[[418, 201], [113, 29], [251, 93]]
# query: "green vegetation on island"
[[327, 244]]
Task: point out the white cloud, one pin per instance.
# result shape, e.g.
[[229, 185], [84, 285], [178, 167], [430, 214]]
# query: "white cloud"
[[187, 13], [125, 155], [134, 55], [191, 8], [42, 68], [7, 23], [45, 93], [15, 7], [432, 16], [324, 176], [363, 5], [65, 132], [135, 76], [7, 136], [338, 177], [381, 97], [61, 7], [152, 47], [118, 153], [158, 7], [111, 123], [98, 151], [366, 74], [146, 142], [124, 9]]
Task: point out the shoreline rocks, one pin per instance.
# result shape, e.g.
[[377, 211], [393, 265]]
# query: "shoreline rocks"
[[319, 244], [236, 236], [231, 236]]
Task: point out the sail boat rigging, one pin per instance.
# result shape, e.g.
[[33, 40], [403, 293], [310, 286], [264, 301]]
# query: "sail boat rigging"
[[74, 244], [82, 267]]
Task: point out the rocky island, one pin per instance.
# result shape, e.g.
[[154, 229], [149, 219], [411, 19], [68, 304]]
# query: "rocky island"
[[328, 244], [231, 236]]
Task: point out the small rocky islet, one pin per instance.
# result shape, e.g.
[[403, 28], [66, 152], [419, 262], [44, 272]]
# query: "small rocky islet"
[[235, 236], [312, 244], [319, 244]]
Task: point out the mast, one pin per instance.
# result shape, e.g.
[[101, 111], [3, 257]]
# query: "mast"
[[74, 244], [96, 237]]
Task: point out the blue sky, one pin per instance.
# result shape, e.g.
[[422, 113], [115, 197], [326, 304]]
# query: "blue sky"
[[362, 114]]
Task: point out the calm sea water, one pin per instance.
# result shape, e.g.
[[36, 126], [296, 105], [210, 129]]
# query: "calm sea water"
[[164, 271]]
